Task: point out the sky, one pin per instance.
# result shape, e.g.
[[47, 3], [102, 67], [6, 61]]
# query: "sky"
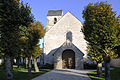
[[40, 7]]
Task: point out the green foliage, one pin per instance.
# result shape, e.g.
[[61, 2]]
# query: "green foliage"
[[1, 52], [47, 66], [100, 29], [13, 16], [29, 39], [36, 51], [90, 65], [94, 54], [38, 28], [35, 32]]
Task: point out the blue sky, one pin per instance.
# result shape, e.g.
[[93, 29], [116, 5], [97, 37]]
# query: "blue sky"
[[41, 7]]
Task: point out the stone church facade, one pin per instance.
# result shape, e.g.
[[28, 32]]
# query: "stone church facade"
[[64, 44]]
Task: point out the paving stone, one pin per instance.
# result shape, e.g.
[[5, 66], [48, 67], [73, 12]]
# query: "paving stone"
[[64, 74]]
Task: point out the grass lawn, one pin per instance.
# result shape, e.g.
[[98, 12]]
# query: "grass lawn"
[[22, 73], [114, 75]]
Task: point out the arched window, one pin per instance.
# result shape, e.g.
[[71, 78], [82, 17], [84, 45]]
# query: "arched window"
[[69, 36], [55, 20]]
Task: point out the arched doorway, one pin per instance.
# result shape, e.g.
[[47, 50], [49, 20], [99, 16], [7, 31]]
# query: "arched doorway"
[[68, 59]]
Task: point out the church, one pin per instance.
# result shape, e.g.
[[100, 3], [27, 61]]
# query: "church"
[[64, 43]]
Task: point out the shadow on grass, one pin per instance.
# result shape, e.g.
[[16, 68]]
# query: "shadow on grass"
[[22, 74], [114, 75], [27, 76]]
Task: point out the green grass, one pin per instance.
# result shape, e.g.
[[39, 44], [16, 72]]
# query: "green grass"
[[114, 75], [93, 76], [22, 73]]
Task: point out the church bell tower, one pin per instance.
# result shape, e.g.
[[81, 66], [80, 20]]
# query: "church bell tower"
[[53, 17]]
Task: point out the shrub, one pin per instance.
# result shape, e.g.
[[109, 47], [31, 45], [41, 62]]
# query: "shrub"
[[47, 66], [90, 65]]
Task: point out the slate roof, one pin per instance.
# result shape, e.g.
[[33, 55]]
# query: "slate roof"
[[68, 43], [55, 13]]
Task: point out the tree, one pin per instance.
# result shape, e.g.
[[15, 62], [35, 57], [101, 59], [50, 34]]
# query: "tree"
[[36, 53], [117, 48], [13, 15], [35, 32], [99, 29], [95, 56], [23, 42]]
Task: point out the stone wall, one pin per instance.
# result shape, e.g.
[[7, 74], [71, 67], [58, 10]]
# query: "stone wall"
[[68, 46], [50, 21], [56, 36], [115, 62]]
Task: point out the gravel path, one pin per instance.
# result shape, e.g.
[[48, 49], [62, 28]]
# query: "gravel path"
[[64, 74]]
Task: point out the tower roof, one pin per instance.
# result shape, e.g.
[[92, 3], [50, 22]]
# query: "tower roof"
[[55, 13]]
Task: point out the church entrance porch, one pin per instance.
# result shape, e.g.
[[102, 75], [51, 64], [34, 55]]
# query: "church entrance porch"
[[68, 59], [68, 56]]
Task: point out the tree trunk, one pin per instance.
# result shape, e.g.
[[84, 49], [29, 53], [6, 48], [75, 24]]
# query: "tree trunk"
[[8, 68], [107, 69], [26, 62], [35, 65], [99, 69], [23, 60], [4, 62], [18, 61], [12, 62], [29, 64]]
